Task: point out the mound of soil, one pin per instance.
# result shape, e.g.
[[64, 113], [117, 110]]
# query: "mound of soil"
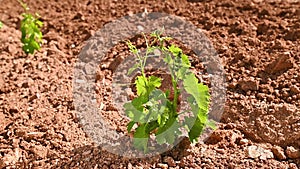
[[257, 40]]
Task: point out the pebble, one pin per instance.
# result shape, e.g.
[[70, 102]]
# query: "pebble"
[[248, 84], [221, 151], [163, 166], [12, 49], [140, 28], [129, 166], [232, 85], [170, 161], [293, 166], [293, 153], [244, 141], [259, 152], [253, 152], [278, 152], [282, 63], [39, 151], [295, 89]]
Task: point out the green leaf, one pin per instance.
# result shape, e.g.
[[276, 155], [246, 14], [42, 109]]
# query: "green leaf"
[[199, 103], [141, 85], [168, 132], [202, 116], [156, 104], [193, 104], [163, 118], [1, 24], [189, 122], [196, 130], [176, 51], [182, 72], [151, 126], [146, 85], [199, 91], [34, 45], [39, 23], [159, 119], [31, 34], [140, 140], [185, 61], [130, 125], [184, 67], [134, 110], [167, 93], [154, 82]]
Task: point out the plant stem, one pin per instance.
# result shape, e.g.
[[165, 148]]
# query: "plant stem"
[[176, 92]]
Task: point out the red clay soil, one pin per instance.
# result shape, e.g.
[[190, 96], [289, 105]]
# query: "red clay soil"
[[258, 42]]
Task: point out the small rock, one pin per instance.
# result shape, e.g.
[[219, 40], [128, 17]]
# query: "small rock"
[[129, 166], [248, 84], [115, 63], [270, 98], [262, 28], [40, 151], [279, 152], [140, 28], [244, 142], [170, 161], [293, 153], [11, 158], [221, 151], [282, 63], [86, 153], [278, 44], [163, 166], [229, 126], [34, 135], [232, 85], [253, 152], [295, 89], [78, 16], [105, 167], [130, 13], [12, 49], [258, 152], [292, 35], [266, 155], [293, 166]]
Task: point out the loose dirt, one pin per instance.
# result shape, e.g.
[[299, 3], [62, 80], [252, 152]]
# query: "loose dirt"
[[259, 46]]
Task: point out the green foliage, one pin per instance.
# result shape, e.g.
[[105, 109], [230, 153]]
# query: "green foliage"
[[151, 111], [31, 34], [1, 24]]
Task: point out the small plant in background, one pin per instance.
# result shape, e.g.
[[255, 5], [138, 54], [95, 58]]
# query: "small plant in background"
[[152, 111], [1, 24], [31, 33]]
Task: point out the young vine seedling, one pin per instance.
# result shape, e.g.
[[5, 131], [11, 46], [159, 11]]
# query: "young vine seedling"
[[152, 111], [31, 33]]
